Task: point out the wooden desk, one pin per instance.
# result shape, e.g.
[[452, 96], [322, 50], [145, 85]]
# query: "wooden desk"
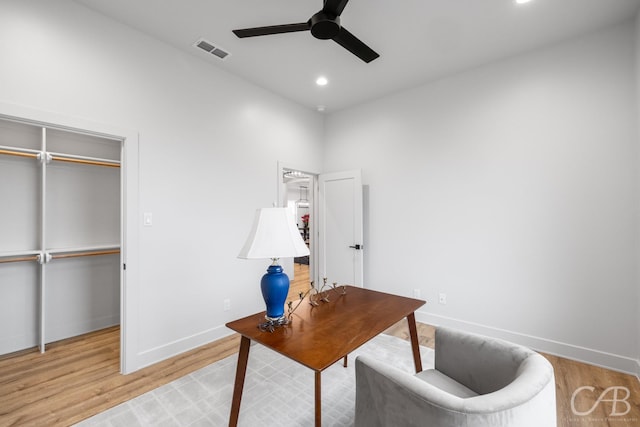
[[319, 336]]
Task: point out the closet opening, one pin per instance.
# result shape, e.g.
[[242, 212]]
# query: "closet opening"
[[61, 233]]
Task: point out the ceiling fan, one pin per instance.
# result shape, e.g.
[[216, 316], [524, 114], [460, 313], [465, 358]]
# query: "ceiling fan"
[[324, 25]]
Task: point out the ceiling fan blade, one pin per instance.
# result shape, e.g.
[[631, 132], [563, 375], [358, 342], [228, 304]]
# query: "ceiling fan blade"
[[273, 29], [334, 7], [355, 46]]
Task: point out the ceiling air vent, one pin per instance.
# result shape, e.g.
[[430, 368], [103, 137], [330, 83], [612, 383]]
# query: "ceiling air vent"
[[210, 48]]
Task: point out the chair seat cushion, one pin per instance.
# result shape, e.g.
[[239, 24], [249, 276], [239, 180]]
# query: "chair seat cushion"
[[446, 384]]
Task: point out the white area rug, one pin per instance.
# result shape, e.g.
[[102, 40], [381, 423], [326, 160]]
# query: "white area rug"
[[277, 392]]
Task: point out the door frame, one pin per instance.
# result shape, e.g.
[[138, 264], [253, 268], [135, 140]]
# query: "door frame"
[[129, 208], [313, 229]]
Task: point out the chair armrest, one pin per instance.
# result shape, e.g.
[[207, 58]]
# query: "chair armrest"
[[387, 396], [481, 363]]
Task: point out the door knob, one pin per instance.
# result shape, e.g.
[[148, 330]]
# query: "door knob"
[[356, 247]]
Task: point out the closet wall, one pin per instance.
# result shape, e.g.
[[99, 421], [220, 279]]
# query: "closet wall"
[[59, 234]]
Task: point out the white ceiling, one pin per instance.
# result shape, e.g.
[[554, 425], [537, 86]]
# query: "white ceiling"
[[418, 40]]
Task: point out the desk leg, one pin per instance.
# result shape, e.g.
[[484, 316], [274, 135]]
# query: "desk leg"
[[241, 370], [413, 333], [318, 399]]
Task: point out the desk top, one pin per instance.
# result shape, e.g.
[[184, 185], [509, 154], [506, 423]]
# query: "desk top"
[[317, 337]]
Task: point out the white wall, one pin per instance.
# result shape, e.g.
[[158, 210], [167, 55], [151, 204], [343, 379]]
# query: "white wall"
[[520, 178], [205, 137], [513, 189]]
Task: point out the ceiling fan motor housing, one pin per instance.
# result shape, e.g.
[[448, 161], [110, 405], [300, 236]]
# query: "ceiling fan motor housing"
[[324, 26]]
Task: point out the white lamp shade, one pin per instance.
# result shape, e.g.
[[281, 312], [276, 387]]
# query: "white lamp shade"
[[274, 235]]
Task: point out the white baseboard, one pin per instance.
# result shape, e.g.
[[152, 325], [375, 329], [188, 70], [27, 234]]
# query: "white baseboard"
[[615, 362], [13, 343], [593, 357], [61, 331], [154, 355]]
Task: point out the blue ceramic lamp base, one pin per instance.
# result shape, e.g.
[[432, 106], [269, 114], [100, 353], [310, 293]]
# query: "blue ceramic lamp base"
[[275, 288]]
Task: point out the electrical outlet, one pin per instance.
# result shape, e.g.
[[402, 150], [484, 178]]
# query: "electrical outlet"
[[227, 305], [416, 293], [442, 298]]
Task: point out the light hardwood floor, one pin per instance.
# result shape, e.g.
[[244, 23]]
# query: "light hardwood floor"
[[299, 283], [79, 377]]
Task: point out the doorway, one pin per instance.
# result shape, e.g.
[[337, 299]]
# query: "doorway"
[[297, 195], [49, 149], [335, 223], [60, 252]]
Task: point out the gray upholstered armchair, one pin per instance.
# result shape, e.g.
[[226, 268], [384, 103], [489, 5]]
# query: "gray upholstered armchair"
[[477, 382]]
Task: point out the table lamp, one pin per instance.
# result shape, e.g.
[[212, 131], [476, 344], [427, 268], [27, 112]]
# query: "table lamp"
[[274, 235]]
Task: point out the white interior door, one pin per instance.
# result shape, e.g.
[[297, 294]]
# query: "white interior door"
[[340, 231]]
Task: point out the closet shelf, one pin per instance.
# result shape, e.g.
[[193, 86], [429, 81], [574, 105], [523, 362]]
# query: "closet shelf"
[[4, 260], [61, 157], [95, 248], [7, 257], [18, 154], [84, 252], [18, 151], [72, 158], [14, 254]]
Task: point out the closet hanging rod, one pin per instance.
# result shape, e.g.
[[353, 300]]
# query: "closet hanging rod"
[[14, 149], [85, 161], [83, 254], [25, 152], [73, 250], [79, 157], [18, 153], [16, 254], [19, 259]]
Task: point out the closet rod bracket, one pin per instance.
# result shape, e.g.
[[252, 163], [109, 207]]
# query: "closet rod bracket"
[[43, 258], [44, 157]]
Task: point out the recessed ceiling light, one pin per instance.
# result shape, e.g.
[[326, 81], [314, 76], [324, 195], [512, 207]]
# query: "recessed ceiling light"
[[322, 81], [522, 1], [320, 108]]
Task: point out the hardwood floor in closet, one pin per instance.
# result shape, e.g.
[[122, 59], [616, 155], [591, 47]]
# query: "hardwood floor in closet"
[[79, 377]]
